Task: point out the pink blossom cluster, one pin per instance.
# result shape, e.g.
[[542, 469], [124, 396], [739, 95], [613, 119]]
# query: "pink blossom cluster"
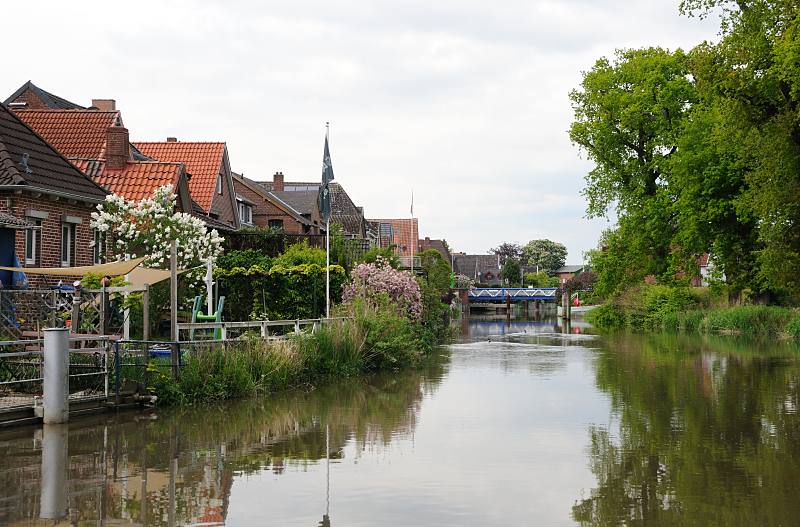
[[370, 280]]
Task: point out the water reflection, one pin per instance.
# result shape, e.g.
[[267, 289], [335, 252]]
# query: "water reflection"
[[707, 433], [178, 468]]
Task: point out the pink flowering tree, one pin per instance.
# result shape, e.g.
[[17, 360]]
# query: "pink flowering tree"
[[372, 281]]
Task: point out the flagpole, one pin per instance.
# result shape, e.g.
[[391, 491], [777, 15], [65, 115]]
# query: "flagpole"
[[327, 249], [413, 242]]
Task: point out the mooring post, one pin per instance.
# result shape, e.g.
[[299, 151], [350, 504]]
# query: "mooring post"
[[146, 313], [54, 472], [75, 319], [55, 388]]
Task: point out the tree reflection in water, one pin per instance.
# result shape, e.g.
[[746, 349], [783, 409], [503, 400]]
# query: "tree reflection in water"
[[177, 467], [708, 434]]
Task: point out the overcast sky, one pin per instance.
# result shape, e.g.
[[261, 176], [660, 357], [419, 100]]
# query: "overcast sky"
[[463, 101]]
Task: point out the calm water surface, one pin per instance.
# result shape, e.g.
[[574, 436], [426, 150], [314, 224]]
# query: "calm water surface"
[[517, 424]]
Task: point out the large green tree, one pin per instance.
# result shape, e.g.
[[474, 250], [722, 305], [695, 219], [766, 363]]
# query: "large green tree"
[[753, 76], [546, 255], [630, 112]]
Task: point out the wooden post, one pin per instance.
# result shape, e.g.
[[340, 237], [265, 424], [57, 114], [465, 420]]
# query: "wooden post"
[[75, 321], [146, 313], [173, 290], [103, 311]]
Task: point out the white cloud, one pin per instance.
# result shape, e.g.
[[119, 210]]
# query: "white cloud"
[[464, 101]]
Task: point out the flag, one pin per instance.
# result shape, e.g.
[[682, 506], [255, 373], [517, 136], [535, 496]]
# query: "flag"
[[327, 167], [324, 188], [412, 203]]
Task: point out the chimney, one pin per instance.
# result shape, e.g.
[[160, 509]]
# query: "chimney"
[[172, 139], [277, 182], [105, 105], [117, 147]]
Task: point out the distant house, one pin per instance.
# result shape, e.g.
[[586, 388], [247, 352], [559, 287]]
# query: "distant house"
[[706, 269], [567, 272], [209, 170], [30, 96], [400, 233], [45, 204], [97, 143], [260, 207], [437, 245], [303, 197], [483, 268]]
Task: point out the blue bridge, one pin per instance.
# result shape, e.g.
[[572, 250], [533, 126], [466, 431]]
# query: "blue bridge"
[[515, 294]]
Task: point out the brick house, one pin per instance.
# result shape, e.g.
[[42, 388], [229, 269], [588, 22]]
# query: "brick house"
[[209, 170], [46, 204], [437, 245], [97, 143], [567, 272], [32, 97], [400, 233], [303, 197], [260, 207], [483, 268]]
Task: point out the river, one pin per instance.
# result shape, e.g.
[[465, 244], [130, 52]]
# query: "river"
[[516, 424]]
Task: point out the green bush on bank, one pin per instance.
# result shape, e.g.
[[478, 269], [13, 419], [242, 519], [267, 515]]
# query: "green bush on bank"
[[691, 310], [371, 338]]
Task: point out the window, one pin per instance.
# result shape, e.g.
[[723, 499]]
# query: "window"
[[67, 244], [99, 246], [276, 225], [219, 184], [245, 213], [32, 243]]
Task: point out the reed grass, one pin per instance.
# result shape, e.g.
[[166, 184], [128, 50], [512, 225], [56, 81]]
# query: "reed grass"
[[372, 338]]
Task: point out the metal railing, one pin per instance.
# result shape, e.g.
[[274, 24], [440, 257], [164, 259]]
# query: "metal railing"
[[266, 329], [489, 294], [21, 370]]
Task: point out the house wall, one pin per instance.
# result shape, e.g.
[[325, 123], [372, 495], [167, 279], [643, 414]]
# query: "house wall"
[[33, 101], [223, 204], [50, 239], [263, 211]]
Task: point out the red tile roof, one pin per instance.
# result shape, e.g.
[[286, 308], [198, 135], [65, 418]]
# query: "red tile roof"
[[137, 180], [74, 133], [203, 161], [406, 235]]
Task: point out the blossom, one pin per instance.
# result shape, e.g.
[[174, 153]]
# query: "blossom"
[[369, 280]]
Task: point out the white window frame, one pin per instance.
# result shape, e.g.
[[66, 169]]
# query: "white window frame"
[[68, 236], [33, 243], [99, 247], [245, 213]]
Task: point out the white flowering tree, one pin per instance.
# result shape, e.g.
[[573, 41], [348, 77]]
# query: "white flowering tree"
[[146, 228]]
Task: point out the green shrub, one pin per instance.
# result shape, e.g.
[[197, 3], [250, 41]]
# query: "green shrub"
[[746, 320], [607, 316], [793, 327]]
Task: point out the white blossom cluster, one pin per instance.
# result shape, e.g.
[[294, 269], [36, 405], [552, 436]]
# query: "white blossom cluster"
[[146, 228]]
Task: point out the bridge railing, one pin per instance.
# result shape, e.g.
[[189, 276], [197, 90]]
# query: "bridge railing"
[[488, 294]]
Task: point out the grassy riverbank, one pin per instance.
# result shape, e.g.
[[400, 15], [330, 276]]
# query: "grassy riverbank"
[[372, 339], [693, 310]]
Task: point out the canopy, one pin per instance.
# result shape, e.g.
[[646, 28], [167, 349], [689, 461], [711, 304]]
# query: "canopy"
[[142, 276], [107, 269]]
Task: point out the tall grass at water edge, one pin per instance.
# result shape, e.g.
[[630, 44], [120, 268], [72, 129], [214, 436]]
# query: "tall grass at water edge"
[[371, 339], [658, 308]]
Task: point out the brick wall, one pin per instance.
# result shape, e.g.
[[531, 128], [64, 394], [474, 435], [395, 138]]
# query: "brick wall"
[[50, 234], [34, 102], [263, 211]]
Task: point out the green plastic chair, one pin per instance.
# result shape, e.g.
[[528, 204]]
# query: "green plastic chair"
[[199, 316]]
